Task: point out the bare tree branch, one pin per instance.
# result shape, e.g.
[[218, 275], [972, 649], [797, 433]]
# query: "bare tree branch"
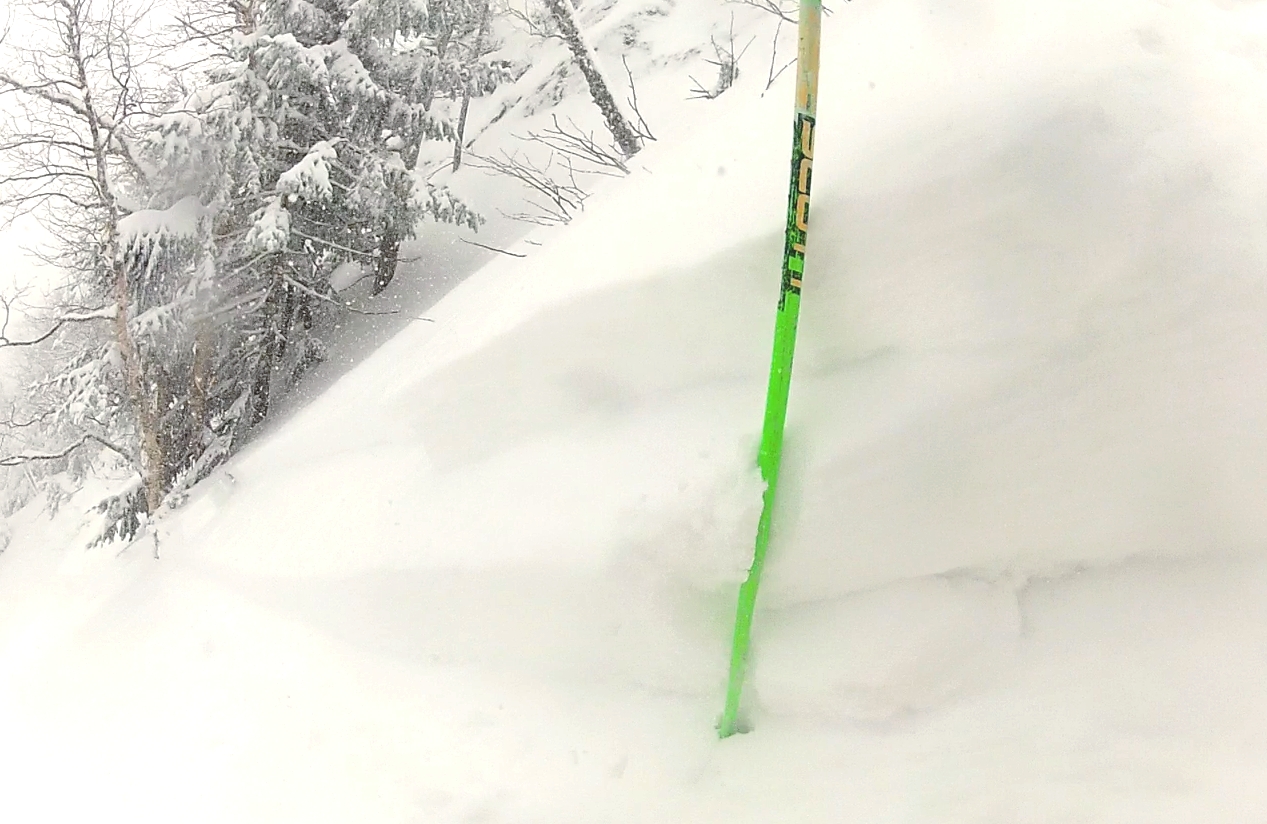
[[562, 198], [785, 10], [727, 63], [104, 313], [308, 290], [45, 91], [492, 248], [579, 145], [37, 457], [641, 129]]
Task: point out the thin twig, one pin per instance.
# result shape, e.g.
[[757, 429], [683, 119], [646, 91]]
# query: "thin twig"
[[308, 290], [491, 248], [643, 130]]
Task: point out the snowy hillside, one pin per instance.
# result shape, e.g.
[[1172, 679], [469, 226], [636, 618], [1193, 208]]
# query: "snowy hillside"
[[1019, 573]]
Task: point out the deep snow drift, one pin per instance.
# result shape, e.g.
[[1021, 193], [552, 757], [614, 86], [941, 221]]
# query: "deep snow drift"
[[1018, 572]]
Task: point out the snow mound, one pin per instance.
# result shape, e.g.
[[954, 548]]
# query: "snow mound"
[[1018, 569], [1031, 344]]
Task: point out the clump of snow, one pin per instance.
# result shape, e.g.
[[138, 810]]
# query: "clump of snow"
[[271, 228], [310, 177], [346, 275], [147, 228]]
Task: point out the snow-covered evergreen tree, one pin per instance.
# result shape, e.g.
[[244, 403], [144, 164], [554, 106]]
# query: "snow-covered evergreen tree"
[[204, 238], [304, 146]]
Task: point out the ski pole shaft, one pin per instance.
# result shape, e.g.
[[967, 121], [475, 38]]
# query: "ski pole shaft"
[[780, 384]]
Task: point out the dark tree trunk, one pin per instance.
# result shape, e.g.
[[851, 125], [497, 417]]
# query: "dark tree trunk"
[[470, 82], [200, 386], [617, 124], [388, 257], [277, 308], [457, 144]]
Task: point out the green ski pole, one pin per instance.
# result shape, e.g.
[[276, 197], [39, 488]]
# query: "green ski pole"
[[784, 345]]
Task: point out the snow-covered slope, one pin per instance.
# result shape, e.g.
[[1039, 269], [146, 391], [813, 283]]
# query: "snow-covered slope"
[[1019, 570]]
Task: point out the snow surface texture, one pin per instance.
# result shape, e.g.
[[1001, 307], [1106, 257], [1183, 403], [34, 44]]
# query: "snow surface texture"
[[1018, 572]]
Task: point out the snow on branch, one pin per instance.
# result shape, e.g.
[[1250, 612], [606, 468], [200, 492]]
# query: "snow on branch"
[[148, 228], [271, 229], [35, 457], [310, 177], [48, 92], [348, 71], [288, 53]]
